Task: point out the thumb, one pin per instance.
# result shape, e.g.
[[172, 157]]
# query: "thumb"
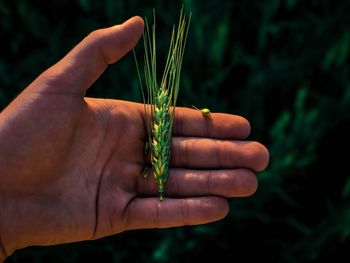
[[82, 66]]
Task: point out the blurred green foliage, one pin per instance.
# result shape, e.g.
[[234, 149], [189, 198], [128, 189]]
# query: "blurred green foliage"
[[283, 64]]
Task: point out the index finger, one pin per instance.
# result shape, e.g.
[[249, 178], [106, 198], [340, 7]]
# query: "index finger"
[[191, 122]]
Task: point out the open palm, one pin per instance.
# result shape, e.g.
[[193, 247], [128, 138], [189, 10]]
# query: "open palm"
[[71, 166]]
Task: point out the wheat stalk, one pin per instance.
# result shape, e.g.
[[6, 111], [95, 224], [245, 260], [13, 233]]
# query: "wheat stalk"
[[162, 96]]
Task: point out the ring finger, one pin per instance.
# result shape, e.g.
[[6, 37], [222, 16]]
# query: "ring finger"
[[191, 183]]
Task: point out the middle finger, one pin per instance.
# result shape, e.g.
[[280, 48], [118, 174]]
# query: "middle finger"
[[204, 153]]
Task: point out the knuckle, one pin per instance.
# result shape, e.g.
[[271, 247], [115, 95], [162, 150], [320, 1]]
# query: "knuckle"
[[95, 34], [156, 215], [180, 151], [96, 39], [223, 155], [185, 210]]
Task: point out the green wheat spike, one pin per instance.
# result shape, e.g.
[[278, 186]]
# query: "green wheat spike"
[[162, 96]]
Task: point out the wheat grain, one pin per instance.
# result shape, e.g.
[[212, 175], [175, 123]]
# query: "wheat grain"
[[205, 111]]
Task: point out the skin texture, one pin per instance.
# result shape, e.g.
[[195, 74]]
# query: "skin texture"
[[71, 166]]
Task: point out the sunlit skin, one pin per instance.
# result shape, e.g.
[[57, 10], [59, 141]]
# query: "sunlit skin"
[[71, 166]]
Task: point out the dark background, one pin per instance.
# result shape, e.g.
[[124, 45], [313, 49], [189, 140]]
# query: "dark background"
[[284, 65]]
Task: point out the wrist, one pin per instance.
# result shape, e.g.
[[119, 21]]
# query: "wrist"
[[2, 253], [2, 249]]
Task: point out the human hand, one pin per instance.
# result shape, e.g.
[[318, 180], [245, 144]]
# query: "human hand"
[[71, 166]]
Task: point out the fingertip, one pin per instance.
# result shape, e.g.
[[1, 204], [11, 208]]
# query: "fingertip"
[[264, 158], [128, 34], [238, 183], [138, 20], [219, 208], [135, 21], [245, 126], [258, 155], [250, 184], [225, 208]]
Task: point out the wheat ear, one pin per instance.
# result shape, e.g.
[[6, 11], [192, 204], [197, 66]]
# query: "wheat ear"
[[162, 96]]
